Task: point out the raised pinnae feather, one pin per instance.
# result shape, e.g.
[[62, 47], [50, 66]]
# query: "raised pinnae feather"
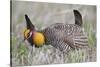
[[29, 23]]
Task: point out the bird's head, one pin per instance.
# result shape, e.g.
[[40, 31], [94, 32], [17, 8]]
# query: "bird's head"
[[37, 38]]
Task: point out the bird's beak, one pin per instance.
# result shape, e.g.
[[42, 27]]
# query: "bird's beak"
[[24, 39]]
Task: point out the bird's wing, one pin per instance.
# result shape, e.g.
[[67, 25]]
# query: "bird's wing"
[[80, 39], [64, 37], [77, 40], [71, 36], [62, 46]]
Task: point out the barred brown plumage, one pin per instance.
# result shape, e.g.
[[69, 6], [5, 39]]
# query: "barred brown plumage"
[[63, 36], [67, 36]]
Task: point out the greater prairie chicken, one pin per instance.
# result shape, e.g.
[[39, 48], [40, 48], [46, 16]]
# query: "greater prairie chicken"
[[60, 35]]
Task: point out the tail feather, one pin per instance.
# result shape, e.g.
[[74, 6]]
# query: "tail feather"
[[78, 17]]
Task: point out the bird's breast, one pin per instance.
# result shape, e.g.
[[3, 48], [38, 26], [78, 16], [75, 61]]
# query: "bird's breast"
[[38, 39]]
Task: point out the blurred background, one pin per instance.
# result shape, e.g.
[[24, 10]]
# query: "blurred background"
[[43, 14]]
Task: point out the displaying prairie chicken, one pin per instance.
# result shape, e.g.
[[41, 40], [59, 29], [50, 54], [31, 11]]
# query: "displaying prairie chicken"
[[60, 35]]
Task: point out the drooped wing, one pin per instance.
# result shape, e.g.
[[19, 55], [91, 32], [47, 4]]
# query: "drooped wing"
[[77, 40], [80, 40], [65, 37]]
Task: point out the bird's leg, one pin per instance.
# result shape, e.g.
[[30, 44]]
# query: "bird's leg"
[[31, 55]]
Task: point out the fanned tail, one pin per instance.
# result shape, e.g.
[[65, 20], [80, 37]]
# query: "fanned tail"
[[78, 17]]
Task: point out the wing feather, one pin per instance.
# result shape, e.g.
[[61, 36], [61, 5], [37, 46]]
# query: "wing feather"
[[65, 37]]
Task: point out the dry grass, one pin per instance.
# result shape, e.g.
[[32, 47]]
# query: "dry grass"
[[21, 53]]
